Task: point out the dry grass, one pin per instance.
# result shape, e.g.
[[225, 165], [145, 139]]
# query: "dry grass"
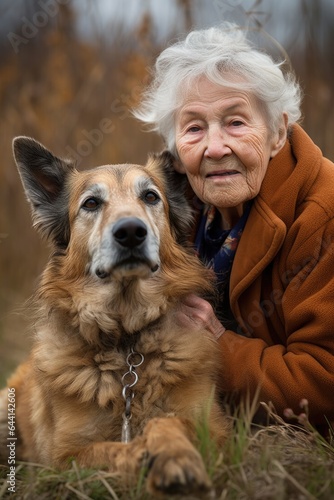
[[280, 461]]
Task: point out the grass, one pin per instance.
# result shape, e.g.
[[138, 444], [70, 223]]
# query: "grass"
[[281, 461]]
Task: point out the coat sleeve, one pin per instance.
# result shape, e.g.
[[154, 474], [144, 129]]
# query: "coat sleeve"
[[302, 366]]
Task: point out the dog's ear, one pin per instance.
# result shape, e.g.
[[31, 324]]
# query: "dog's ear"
[[44, 178], [180, 212]]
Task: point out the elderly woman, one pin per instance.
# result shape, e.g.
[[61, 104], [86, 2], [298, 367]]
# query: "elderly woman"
[[266, 226]]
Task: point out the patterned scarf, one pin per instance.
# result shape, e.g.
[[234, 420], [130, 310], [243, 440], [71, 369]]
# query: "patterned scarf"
[[216, 247]]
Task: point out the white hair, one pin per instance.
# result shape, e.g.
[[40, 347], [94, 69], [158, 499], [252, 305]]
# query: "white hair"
[[224, 56]]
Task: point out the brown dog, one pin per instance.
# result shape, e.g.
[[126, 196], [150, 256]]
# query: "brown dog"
[[113, 381]]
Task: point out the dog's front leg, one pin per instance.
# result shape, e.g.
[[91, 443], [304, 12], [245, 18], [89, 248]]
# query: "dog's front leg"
[[121, 458], [175, 464]]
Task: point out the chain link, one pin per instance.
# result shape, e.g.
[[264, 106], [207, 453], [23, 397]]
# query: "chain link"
[[129, 380]]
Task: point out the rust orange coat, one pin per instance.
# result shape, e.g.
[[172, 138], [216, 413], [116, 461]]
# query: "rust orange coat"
[[282, 287]]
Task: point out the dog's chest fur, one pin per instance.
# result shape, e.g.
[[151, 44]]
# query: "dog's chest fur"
[[92, 376]]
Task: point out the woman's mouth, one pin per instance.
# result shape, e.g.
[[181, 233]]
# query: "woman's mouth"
[[222, 173]]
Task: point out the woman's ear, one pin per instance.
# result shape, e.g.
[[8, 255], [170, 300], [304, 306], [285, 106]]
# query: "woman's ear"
[[281, 136]]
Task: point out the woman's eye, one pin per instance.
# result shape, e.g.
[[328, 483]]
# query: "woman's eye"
[[151, 197], [91, 204], [193, 129], [237, 123]]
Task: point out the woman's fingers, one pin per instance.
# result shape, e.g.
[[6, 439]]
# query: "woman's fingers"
[[197, 312]]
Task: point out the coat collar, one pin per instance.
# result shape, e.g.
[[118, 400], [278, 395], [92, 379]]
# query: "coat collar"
[[261, 240]]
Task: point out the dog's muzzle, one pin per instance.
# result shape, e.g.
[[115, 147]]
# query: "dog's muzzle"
[[129, 236]]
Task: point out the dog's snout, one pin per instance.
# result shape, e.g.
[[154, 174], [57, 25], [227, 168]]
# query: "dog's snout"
[[130, 232]]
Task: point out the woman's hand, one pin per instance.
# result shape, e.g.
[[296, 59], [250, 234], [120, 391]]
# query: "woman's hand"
[[197, 312]]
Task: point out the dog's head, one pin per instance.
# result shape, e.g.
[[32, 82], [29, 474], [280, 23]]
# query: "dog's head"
[[109, 222]]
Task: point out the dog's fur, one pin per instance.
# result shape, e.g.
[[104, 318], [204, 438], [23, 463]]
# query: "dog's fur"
[[99, 296]]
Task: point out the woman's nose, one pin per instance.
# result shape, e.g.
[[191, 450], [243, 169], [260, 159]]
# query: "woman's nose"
[[216, 146]]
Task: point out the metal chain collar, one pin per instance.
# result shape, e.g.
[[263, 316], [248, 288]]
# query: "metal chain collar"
[[129, 380]]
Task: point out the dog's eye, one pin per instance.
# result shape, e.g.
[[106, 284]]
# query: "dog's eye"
[[91, 204], [151, 197]]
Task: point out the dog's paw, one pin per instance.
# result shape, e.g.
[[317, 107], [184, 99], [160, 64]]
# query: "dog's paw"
[[182, 473]]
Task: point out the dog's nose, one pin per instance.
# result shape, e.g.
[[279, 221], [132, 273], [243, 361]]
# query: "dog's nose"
[[130, 232]]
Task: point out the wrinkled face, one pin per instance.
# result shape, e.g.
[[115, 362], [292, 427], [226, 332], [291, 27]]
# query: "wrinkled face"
[[224, 144], [117, 215]]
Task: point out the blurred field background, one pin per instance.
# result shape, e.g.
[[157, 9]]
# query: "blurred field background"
[[70, 71]]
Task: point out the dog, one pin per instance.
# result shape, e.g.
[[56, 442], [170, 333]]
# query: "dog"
[[114, 380]]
